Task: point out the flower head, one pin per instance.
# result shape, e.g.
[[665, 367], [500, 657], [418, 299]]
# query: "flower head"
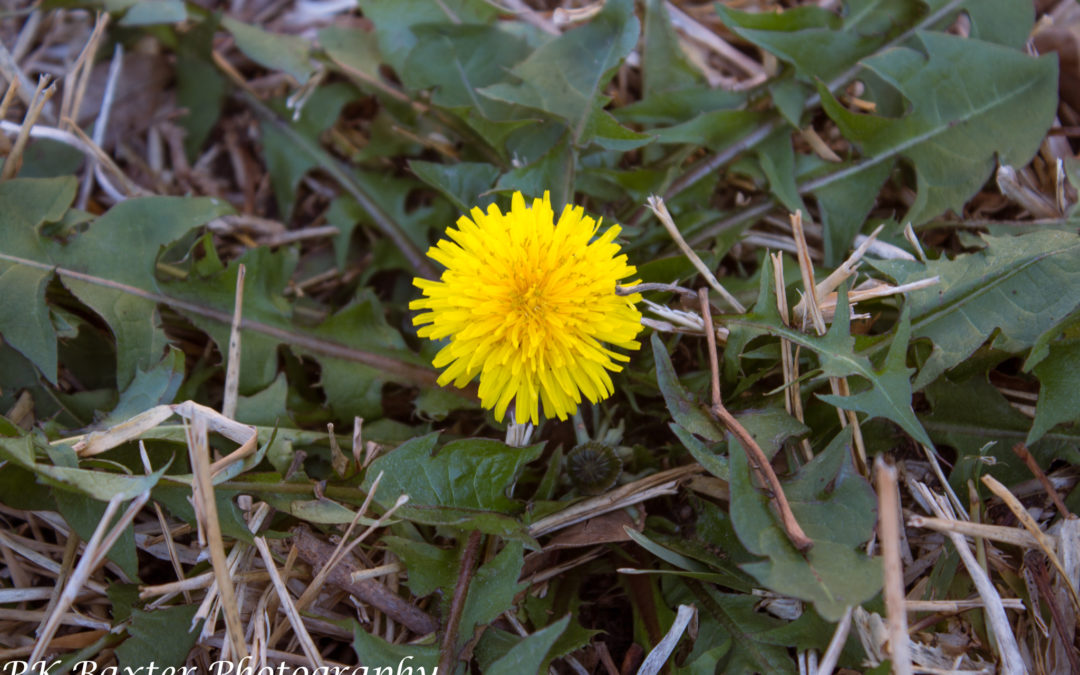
[[528, 304]]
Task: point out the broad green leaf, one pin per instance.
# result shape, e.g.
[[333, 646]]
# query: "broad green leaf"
[[467, 519], [462, 183], [152, 12], [137, 230], [730, 633], [471, 473], [817, 43], [200, 86], [972, 104], [162, 637], [836, 508], [288, 53], [777, 159], [687, 413], [566, 76], [529, 655], [149, 388], [845, 204], [354, 50], [394, 20], [459, 59], [714, 129], [889, 393], [1058, 376], [286, 159], [551, 172], [973, 417], [1002, 288], [664, 65], [25, 321], [430, 567], [266, 407], [492, 590], [374, 653]]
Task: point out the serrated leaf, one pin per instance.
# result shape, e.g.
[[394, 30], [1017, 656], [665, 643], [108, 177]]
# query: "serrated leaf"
[[461, 183], [470, 473], [837, 511], [665, 66], [688, 413], [374, 652], [889, 393], [566, 77], [530, 654], [162, 637], [1004, 287], [149, 388], [973, 417], [459, 59], [972, 104], [288, 53], [25, 321], [1059, 396], [492, 590]]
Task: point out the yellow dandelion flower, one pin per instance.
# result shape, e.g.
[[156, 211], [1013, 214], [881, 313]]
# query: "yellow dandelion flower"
[[529, 304]]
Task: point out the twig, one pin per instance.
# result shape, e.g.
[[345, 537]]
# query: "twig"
[[889, 536], [448, 653], [232, 370], [1022, 452], [657, 206], [318, 554], [759, 462]]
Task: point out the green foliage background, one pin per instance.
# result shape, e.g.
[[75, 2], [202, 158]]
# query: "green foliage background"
[[105, 315]]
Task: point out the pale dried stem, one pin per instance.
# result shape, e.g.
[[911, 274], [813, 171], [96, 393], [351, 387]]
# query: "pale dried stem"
[[700, 34], [789, 361], [201, 581], [174, 558], [14, 159], [1043, 541], [232, 371], [9, 96], [658, 484], [101, 124], [838, 385], [80, 71], [956, 606], [1005, 535], [287, 605], [660, 654], [660, 210], [836, 645], [1012, 663], [203, 496], [99, 544], [889, 524]]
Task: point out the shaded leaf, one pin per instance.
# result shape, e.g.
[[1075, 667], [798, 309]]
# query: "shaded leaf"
[[973, 103]]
